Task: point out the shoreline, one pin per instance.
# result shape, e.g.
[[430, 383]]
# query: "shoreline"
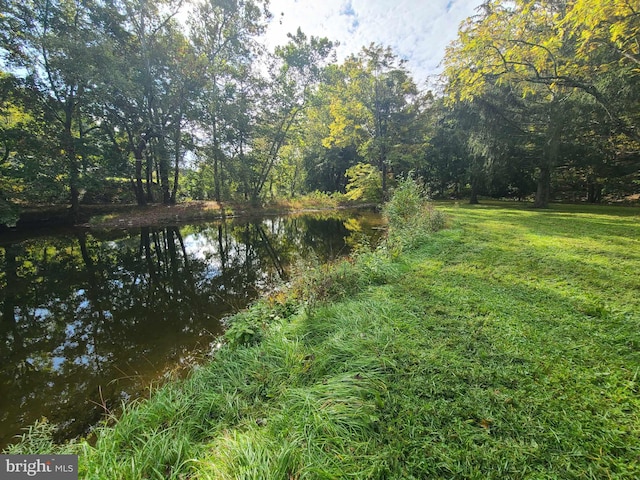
[[496, 348], [126, 216]]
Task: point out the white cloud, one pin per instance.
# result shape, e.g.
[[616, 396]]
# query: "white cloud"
[[416, 30]]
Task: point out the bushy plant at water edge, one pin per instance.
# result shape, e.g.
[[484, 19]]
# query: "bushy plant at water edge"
[[410, 215]]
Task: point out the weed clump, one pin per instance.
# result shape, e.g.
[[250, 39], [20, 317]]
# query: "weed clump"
[[411, 220], [36, 440], [317, 284], [249, 326], [410, 215]]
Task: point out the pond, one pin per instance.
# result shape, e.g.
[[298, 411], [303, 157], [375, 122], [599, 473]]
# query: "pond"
[[90, 319]]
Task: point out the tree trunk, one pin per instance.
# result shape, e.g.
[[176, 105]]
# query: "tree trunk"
[[217, 181], [383, 172], [594, 192], [149, 177], [277, 143], [543, 191], [138, 153], [74, 173], [550, 153], [176, 177], [177, 141], [163, 166], [473, 200]]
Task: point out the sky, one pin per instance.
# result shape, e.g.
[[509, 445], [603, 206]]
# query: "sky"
[[416, 30]]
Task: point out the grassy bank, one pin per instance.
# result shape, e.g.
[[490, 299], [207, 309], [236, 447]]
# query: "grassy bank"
[[504, 346]]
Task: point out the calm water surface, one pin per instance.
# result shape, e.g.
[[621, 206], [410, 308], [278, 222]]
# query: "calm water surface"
[[89, 319]]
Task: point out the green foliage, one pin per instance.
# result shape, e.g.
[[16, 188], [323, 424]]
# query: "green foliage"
[[108, 190], [38, 439], [322, 199], [411, 217], [547, 69], [321, 284], [249, 326], [244, 330], [406, 203], [313, 200], [364, 183], [544, 93], [373, 106]]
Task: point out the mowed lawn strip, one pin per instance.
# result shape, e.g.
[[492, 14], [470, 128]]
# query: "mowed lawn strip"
[[525, 360]]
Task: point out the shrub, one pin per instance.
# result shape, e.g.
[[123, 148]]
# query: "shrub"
[[9, 213], [248, 327], [410, 215], [364, 183], [317, 284], [245, 328]]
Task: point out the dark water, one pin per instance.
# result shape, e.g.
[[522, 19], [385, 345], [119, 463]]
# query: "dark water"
[[91, 318]]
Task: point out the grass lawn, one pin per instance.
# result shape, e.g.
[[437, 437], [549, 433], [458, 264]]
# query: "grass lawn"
[[505, 346], [524, 362]]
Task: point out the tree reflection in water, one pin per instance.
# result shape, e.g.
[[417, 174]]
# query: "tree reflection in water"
[[89, 319]]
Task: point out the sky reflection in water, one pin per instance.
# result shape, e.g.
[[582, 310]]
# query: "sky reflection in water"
[[91, 319]]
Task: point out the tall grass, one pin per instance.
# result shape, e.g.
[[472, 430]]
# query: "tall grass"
[[412, 218], [504, 347]]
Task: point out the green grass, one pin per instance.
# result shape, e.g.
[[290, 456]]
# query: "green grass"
[[505, 346]]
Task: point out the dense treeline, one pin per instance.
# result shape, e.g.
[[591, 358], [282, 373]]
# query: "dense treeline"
[[553, 86], [139, 101]]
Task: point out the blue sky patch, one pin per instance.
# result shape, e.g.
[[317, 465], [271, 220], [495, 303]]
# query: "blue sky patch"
[[348, 10]]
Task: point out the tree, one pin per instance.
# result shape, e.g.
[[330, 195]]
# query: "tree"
[[125, 87], [293, 79], [445, 161], [149, 74], [373, 100], [364, 183], [607, 36], [324, 165], [53, 42], [224, 33], [14, 122], [515, 46], [539, 50]]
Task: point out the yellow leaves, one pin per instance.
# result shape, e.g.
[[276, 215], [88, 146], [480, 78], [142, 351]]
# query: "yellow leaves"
[[364, 182], [528, 90], [552, 43], [337, 128], [528, 44], [616, 31], [348, 114], [598, 22], [353, 225], [13, 116], [12, 186]]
